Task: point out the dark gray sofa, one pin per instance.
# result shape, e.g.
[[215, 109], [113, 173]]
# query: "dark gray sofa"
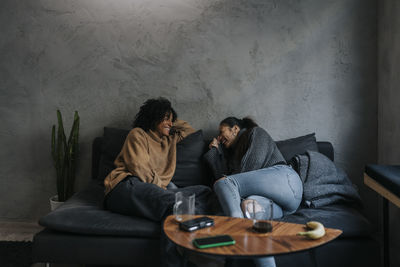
[[81, 231]]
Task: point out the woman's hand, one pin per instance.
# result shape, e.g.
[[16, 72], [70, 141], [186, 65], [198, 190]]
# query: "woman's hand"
[[214, 143]]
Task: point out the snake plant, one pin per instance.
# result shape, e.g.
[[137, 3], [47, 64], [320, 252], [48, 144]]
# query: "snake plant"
[[65, 153]]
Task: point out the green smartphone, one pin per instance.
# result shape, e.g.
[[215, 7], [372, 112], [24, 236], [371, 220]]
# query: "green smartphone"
[[213, 241]]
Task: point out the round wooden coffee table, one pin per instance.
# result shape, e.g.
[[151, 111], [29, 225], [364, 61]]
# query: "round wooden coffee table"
[[249, 244]]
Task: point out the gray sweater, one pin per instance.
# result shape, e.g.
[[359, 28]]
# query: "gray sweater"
[[254, 150]]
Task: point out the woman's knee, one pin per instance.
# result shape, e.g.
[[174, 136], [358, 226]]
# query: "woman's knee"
[[221, 182], [289, 198], [118, 200], [296, 186], [171, 186], [294, 201]]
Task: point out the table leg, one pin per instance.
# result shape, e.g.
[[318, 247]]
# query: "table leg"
[[313, 258], [228, 262], [386, 256], [185, 258]]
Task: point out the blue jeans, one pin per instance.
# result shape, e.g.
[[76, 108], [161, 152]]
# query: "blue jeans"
[[279, 183]]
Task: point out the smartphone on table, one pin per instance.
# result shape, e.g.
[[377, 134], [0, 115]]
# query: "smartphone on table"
[[213, 241], [196, 224]]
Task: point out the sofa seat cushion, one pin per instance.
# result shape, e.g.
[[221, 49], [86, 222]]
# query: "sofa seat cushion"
[[345, 218], [387, 175], [83, 213]]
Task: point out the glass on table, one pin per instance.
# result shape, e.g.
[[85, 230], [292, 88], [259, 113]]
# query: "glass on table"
[[260, 215], [184, 207]]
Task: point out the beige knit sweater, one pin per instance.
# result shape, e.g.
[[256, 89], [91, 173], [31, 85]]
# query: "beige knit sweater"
[[145, 155]]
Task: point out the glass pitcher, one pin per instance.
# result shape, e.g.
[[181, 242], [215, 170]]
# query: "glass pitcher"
[[184, 207]]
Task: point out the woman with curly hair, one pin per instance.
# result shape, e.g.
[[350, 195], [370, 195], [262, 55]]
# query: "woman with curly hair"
[[141, 182]]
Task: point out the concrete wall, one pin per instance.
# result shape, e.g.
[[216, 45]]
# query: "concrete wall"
[[295, 66], [389, 104]]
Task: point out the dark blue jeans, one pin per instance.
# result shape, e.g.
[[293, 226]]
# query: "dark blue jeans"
[[134, 198]]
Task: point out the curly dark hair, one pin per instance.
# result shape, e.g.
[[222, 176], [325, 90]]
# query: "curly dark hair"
[[152, 112]]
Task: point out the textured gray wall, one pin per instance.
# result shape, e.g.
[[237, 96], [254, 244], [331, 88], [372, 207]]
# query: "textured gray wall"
[[295, 66], [389, 104]]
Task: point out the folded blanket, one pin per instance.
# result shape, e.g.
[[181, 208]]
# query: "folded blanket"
[[324, 182]]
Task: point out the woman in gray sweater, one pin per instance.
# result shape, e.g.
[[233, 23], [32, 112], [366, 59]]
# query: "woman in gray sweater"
[[247, 165]]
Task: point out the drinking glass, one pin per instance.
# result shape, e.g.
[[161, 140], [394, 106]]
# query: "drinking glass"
[[260, 215], [184, 207]]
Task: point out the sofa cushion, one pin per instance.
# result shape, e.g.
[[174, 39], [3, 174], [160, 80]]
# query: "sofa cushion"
[[386, 175], [190, 169], [83, 213], [326, 148], [299, 145], [113, 140], [339, 216]]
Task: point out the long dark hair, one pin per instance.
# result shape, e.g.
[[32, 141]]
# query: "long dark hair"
[[152, 112], [246, 122]]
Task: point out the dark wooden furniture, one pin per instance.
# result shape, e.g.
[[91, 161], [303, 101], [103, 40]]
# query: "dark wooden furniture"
[[282, 240], [385, 180]]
